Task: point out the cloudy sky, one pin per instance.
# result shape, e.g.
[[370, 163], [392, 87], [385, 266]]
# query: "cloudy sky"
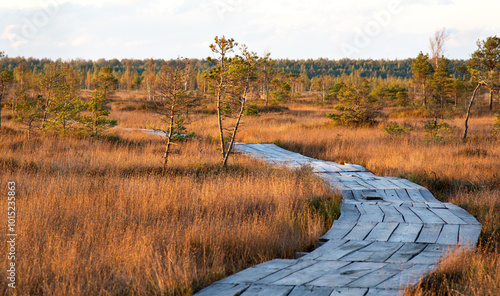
[[333, 29]]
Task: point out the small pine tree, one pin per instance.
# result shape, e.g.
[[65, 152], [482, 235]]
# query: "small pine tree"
[[96, 119], [29, 112]]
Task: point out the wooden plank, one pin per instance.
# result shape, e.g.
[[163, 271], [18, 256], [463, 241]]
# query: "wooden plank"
[[391, 214], [468, 235], [384, 292], [391, 195], [222, 289], [427, 216], [375, 252], [428, 257], [403, 195], [447, 216], [370, 213], [349, 212], [406, 232], [349, 291], [406, 252], [327, 248], [346, 274], [463, 214], [360, 231], [376, 277], [408, 215], [409, 277], [382, 231], [343, 250], [449, 235], [415, 195], [428, 195], [266, 290], [358, 195], [429, 233], [310, 273], [310, 291], [300, 264], [339, 230]]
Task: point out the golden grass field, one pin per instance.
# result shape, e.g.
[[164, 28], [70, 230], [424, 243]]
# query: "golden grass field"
[[102, 218]]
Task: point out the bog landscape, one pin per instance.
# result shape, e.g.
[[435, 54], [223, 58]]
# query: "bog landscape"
[[125, 176]]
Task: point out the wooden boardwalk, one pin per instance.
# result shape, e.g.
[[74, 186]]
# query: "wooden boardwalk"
[[391, 233]]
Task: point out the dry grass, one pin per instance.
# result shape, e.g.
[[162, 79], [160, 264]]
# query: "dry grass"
[[100, 218]]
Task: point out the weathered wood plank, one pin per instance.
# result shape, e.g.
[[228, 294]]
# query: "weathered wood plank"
[[375, 252], [370, 213], [266, 290], [403, 195], [391, 195], [463, 214], [376, 277], [427, 216], [349, 291], [382, 231], [415, 195], [406, 232], [408, 277], [343, 250], [449, 235], [311, 291], [428, 195], [384, 292], [429, 233], [468, 235], [447, 216], [360, 231], [223, 289], [408, 215], [391, 214], [345, 275], [300, 264], [339, 230], [406, 252], [310, 273]]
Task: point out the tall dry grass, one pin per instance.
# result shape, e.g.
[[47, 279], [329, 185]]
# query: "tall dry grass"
[[101, 218]]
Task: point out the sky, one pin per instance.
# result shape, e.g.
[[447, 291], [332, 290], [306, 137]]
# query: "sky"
[[293, 29]]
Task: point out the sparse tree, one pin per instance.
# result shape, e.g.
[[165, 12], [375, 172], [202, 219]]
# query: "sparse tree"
[[6, 78], [29, 112], [484, 68], [485, 65], [437, 42], [96, 119], [422, 71], [231, 79], [106, 79], [170, 96]]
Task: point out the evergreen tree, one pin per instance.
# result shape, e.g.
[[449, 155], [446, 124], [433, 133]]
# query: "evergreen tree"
[[422, 71]]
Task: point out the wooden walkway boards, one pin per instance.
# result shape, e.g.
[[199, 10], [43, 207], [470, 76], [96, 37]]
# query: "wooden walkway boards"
[[391, 233]]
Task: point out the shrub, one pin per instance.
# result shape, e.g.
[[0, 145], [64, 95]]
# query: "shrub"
[[437, 131], [351, 116], [396, 129]]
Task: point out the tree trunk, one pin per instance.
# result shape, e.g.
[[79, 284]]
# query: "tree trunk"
[[491, 99], [219, 119], [235, 129], [468, 110], [169, 138]]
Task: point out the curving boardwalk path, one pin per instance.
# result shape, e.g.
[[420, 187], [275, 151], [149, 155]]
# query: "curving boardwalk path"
[[391, 233]]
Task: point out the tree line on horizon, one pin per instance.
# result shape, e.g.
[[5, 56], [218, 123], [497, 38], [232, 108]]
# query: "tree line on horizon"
[[44, 93]]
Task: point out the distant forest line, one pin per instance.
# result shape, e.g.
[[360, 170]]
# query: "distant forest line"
[[311, 67]]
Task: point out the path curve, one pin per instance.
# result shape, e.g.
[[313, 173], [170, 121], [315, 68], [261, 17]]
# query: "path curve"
[[391, 232]]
